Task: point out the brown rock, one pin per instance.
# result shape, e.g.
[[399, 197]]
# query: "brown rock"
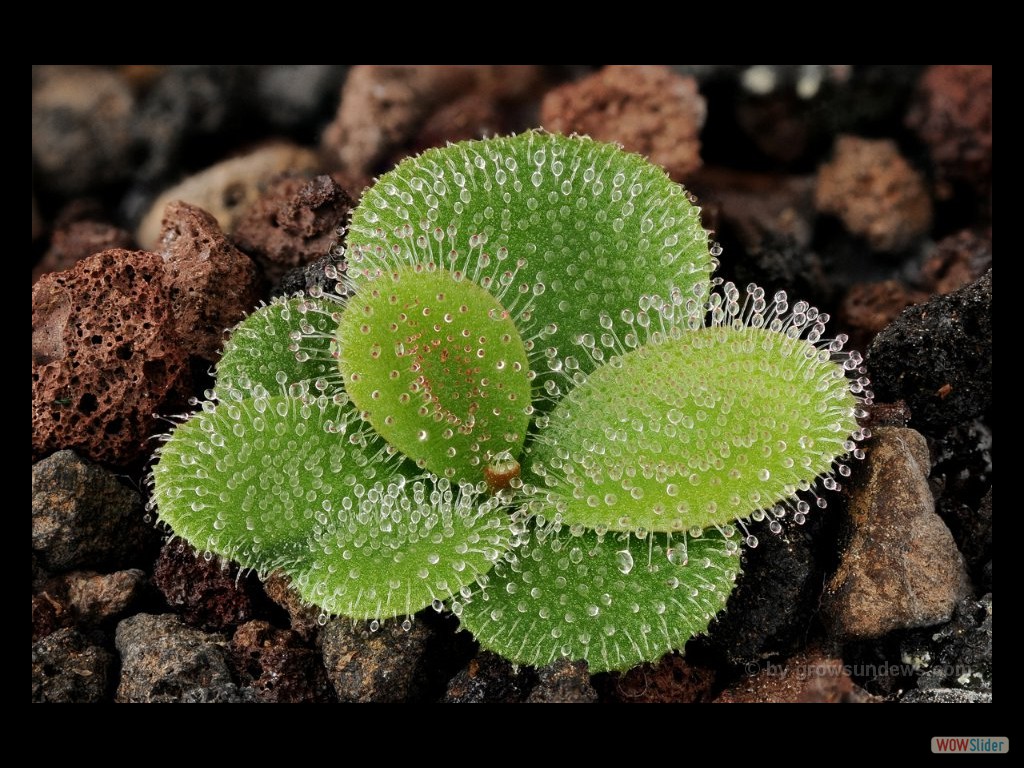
[[383, 105], [105, 358], [900, 568], [385, 665], [77, 240], [875, 192], [67, 669], [84, 516], [208, 593], [388, 110], [304, 618], [953, 115], [212, 284], [49, 613], [670, 681], [470, 117], [647, 109], [870, 307], [810, 678], [226, 189], [295, 222], [563, 682], [276, 664], [163, 661], [957, 260], [97, 597]]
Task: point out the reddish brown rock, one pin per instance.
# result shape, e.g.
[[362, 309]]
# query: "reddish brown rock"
[[382, 107], [77, 240], [870, 307], [472, 116], [208, 593], [957, 260], [810, 678], [670, 681], [900, 567], [96, 597], [211, 283], [563, 682], [953, 115], [647, 109], [875, 193], [228, 188], [49, 613], [388, 664], [277, 666], [105, 357], [386, 110], [302, 616], [295, 222]]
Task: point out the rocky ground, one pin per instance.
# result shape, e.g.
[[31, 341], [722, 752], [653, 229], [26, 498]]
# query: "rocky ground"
[[167, 201]]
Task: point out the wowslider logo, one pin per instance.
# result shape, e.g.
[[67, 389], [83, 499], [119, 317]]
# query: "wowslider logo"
[[958, 745]]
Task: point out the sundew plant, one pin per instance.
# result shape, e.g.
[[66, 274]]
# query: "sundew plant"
[[527, 399]]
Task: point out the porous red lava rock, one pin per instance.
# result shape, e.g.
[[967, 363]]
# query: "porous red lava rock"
[[78, 239], [277, 665], [808, 678], [164, 661], [207, 593], [938, 357], [68, 669], [386, 665], [212, 285], [83, 516], [105, 357], [228, 188], [303, 617], [647, 109], [384, 108], [875, 192], [672, 680], [97, 597], [957, 260], [293, 223], [900, 567], [82, 127], [952, 114], [563, 682]]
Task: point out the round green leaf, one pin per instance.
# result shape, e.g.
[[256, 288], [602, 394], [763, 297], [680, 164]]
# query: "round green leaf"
[[612, 600]]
